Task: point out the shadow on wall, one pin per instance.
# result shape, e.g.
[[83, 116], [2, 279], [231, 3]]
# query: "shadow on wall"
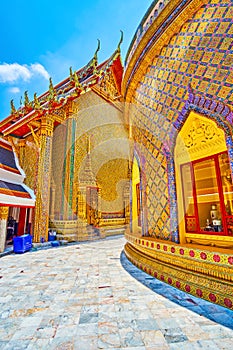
[[201, 307]]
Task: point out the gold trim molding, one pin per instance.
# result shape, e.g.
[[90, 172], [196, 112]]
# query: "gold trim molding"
[[203, 280]]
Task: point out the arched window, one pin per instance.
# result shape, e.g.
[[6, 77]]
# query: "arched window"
[[203, 181]]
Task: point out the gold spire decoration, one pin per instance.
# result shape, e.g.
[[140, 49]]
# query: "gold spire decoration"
[[26, 99], [121, 40], [97, 50], [71, 74], [36, 102], [13, 110], [52, 91], [95, 58], [51, 88], [75, 79]]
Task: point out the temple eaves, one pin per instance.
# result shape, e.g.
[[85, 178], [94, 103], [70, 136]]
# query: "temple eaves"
[[78, 82]]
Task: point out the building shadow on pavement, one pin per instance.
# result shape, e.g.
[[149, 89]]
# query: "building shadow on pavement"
[[204, 308]]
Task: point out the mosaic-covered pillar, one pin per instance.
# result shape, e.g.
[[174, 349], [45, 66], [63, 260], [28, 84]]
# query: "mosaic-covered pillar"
[[52, 199], [3, 227], [68, 170], [43, 180]]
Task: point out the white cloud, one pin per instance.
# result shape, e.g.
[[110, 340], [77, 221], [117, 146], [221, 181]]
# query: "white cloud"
[[14, 90], [14, 72], [37, 68]]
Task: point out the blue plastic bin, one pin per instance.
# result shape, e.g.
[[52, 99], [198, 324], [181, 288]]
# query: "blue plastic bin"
[[22, 243]]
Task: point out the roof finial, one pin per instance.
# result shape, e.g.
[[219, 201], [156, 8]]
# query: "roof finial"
[[71, 73], [120, 42], [13, 110], [97, 50], [36, 102], [26, 99], [51, 89], [76, 80]]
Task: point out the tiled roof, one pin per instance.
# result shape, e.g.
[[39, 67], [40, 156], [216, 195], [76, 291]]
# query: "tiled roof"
[[13, 189], [7, 158]]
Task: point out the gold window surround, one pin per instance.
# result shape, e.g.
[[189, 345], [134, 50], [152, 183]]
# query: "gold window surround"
[[199, 138]]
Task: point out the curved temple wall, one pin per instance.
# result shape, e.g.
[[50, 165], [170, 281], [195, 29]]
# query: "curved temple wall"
[[180, 63]]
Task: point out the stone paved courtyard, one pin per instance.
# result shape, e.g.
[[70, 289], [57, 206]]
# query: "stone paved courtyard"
[[88, 296]]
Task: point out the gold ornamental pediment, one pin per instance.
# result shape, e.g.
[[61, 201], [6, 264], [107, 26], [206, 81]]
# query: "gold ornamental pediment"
[[198, 136]]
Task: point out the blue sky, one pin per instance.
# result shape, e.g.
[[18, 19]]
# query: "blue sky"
[[44, 38]]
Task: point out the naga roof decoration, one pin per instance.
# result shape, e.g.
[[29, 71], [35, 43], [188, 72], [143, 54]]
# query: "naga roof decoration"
[[58, 96]]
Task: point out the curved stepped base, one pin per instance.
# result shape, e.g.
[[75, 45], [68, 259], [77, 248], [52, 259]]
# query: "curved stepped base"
[[207, 280]]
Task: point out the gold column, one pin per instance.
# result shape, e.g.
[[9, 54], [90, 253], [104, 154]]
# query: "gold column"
[[43, 179], [52, 207], [3, 227], [69, 187], [67, 169]]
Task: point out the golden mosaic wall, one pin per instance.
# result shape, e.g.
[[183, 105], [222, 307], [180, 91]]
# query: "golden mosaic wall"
[[108, 184], [99, 126], [103, 124], [200, 54]]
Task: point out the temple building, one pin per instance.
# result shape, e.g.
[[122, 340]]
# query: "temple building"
[[178, 91], [164, 122], [68, 141]]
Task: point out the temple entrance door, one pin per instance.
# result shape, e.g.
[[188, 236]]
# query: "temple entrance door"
[[92, 205]]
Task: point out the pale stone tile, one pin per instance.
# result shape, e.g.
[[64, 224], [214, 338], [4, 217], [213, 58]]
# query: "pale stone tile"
[[61, 302], [153, 337], [109, 340], [86, 343], [107, 327]]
